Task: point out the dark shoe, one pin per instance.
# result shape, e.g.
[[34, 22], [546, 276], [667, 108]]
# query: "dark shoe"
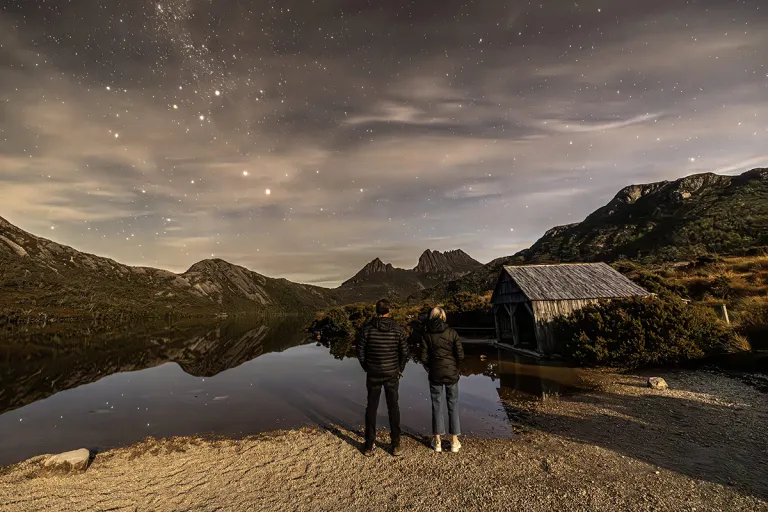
[[368, 452], [397, 450]]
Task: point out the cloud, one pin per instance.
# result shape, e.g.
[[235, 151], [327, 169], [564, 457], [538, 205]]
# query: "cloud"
[[579, 126], [453, 141]]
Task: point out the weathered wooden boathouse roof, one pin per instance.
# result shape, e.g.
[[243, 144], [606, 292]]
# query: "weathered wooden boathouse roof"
[[572, 281]]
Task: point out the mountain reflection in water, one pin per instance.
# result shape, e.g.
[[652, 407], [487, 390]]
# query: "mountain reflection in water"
[[200, 350], [232, 378]]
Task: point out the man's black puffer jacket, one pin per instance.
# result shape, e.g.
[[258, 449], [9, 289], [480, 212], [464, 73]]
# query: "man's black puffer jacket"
[[441, 352], [382, 348]]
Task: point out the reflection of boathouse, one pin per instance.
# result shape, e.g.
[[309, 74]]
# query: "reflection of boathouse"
[[528, 298]]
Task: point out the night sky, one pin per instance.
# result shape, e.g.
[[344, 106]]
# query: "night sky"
[[304, 138]]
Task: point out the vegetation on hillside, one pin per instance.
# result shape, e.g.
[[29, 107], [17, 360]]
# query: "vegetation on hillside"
[[739, 283], [339, 327], [42, 282], [644, 331], [667, 221]]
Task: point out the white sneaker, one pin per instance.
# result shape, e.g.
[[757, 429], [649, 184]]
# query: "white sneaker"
[[455, 447], [438, 447]]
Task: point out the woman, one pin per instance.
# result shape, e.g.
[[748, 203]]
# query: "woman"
[[441, 352]]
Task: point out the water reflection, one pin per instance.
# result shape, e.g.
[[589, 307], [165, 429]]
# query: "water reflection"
[[230, 378], [58, 363], [518, 377]]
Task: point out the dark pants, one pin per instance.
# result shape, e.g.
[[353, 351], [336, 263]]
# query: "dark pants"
[[391, 386]]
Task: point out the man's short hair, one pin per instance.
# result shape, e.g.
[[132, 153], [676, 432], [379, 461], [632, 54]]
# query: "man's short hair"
[[382, 307]]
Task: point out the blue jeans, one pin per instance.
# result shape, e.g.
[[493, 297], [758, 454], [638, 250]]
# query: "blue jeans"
[[438, 412]]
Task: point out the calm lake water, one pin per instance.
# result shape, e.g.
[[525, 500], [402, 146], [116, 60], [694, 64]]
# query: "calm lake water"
[[231, 379]]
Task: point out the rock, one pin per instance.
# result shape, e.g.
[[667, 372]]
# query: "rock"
[[657, 383], [70, 462]]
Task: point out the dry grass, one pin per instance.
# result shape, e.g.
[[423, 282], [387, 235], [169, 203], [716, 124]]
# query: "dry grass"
[[739, 283]]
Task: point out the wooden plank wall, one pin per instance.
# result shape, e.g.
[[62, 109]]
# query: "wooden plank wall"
[[547, 310], [508, 292], [504, 330]]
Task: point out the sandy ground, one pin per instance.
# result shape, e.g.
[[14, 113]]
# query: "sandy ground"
[[699, 446]]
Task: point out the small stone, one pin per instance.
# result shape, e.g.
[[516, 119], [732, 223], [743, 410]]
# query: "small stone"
[[70, 462], [657, 383]]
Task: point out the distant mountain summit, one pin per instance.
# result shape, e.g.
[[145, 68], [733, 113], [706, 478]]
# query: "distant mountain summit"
[[668, 220], [40, 279], [376, 269], [378, 279], [445, 262]]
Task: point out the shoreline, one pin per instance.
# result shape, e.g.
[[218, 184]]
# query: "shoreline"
[[700, 445]]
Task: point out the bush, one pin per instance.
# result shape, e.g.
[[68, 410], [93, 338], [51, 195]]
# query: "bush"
[[465, 302], [721, 286], [334, 323], [643, 331], [752, 319]]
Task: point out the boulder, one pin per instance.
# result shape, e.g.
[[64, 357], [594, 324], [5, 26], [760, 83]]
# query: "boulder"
[[70, 462], [657, 383]]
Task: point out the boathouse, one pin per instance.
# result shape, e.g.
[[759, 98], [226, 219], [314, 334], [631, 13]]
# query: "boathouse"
[[527, 298]]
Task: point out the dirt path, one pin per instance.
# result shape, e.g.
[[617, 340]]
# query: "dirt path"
[[600, 451]]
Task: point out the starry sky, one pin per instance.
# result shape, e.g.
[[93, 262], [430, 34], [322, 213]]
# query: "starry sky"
[[303, 138]]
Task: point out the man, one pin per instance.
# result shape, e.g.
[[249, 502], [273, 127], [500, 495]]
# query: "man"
[[382, 351]]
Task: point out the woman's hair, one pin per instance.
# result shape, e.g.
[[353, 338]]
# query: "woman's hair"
[[437, 313]]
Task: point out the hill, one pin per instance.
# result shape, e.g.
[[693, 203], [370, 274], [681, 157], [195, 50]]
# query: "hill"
[[664, 221], [677, 220], [41, 280], [378, 279]]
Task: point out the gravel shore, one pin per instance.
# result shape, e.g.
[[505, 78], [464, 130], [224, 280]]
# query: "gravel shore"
[[701, 445]]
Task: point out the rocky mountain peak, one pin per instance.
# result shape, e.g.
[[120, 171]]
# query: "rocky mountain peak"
[[210, 264], [665, 191], [755, 174], [445, 262], [375, 267]]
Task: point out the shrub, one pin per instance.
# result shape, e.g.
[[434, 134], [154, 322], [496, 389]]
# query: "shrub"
[[751, 318], [334, 323], [721, 286], [642, 331], [465, 302]]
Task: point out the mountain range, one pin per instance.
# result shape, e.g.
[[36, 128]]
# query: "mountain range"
[[377, 279], [671, 220], [41, 281], [668, 220]]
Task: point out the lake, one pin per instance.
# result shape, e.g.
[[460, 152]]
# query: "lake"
[[66, 391]]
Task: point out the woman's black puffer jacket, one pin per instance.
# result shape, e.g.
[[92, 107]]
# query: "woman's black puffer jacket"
[[441, 352]]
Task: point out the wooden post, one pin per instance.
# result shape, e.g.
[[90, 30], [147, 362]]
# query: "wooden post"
[[496, 323], [510, 308], [724, 313]]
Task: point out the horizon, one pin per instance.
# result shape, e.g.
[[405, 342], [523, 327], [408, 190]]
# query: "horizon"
[[305, 141], [182, 271], [334, 285]]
